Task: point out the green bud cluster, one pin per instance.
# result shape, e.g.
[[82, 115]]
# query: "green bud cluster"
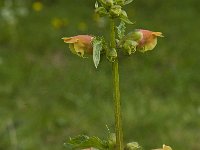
[[129, 42], [112, 55], [119, 2], [113, 9]]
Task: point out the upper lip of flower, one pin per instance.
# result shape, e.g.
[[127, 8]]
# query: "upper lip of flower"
[[81, 38], [159, 34]]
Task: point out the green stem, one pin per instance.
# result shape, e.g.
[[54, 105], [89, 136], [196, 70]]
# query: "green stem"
[[116, 94]]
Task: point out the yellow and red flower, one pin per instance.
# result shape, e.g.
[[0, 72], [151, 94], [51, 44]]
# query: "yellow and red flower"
[[80, 44], [148, 40]]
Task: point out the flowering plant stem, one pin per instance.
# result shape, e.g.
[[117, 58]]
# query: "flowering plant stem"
[[139, 40], [116, 93]]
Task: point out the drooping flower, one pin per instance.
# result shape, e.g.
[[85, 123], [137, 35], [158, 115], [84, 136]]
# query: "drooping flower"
[[147, 40], [80, 44]]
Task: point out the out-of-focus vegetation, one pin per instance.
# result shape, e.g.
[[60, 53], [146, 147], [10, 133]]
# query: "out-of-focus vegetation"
[[47, 94]]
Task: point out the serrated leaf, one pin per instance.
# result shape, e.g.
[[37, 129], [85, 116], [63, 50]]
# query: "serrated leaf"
[[128, 2], [121, 30], [83, 141], [97, 48]]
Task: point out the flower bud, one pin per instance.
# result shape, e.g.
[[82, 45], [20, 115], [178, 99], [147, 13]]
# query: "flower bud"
[[120, 2], [132, 146], [112, 55], [115, 11], [112, 140], [101, 11], [106, 3], [109, 2], [130, 46], [80, 44]]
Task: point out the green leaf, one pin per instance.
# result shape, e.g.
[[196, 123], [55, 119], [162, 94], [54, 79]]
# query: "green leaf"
[[124, 17], [97, 48], [121, 30], [83, 141], [96, 5], [128, 2]]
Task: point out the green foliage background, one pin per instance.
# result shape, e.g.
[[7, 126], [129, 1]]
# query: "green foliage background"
[[47, 94]]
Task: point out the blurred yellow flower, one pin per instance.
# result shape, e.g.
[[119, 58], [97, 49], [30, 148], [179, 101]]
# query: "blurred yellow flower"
[[37, 6], [82, 26], [58, 23], [100, 21]]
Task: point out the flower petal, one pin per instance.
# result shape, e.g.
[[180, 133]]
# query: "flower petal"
[[159, 34], [79, 49], [70, 40], [72, 49]]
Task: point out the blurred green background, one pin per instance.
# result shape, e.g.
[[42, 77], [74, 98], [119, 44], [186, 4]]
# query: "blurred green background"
[[47, 94]]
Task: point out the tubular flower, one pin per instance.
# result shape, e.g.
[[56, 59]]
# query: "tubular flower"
[[80, 44], [147, 40]]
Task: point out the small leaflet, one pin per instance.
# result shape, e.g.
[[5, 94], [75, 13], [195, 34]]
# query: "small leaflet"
[[121, 30], [97, 48], [128, 2]]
